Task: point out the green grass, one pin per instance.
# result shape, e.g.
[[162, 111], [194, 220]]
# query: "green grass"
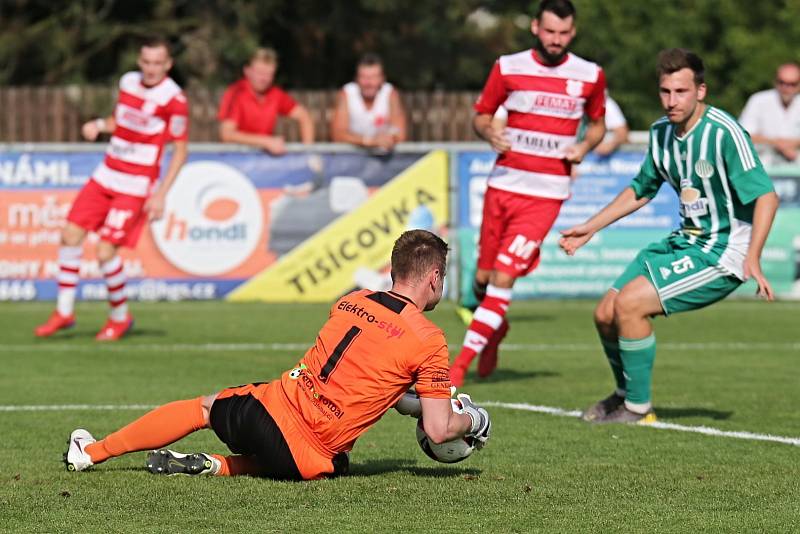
[[539, 473]]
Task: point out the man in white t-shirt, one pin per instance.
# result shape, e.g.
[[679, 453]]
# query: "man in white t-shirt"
[[368, 111], [773, 116], [616, 129]]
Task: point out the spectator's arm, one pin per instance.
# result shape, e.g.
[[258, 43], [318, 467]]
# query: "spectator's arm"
[[775, 141], [397, 117], [230, 133], [303, 118], [595, 132], [340, 124], [619, 136], [786, 147]]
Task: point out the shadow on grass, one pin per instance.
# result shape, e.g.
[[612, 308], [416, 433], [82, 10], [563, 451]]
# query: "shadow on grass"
[[368, 468], [90, 334], [395, 465], [675, 413], [508, 375], [119, 469]]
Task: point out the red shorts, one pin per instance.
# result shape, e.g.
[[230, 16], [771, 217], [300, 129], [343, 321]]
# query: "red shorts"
[[116, 217], [512, 230]]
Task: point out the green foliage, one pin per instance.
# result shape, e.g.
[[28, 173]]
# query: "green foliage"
[[741, 43], [426, 45], [539, 473]]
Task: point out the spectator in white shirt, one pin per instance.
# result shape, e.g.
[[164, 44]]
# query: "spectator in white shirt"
[[773, 116], [616, 129]]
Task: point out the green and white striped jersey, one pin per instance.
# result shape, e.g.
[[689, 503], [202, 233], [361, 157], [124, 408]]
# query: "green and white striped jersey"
[[717, 175]]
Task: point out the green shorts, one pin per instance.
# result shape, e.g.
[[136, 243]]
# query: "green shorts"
[[685, 277]]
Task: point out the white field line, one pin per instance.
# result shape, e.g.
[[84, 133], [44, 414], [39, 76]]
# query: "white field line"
[[72, 407], [158, 347], [251, 347], [39, 307], [550, 410], [705, 430]]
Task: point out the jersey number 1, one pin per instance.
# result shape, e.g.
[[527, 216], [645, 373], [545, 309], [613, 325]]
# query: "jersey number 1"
[[338, 352]]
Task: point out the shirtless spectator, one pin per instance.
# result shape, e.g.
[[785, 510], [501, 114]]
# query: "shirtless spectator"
[[368, 111]]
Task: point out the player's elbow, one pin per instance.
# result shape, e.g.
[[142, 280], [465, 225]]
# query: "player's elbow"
[[769, 201], [773, 197], [436, 430], [181, 149]]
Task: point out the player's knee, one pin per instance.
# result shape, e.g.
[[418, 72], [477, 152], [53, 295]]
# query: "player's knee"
[[207, 403], [479, 288], [626, 305], [604, 311], [502, 280], [72, 236], [105, 251], [604, 315]]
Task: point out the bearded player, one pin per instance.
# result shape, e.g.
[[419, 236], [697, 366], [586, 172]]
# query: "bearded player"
[[546, 91], [122, 192], [374, 345]]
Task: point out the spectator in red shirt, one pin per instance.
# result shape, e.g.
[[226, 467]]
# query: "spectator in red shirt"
[[250, 107]]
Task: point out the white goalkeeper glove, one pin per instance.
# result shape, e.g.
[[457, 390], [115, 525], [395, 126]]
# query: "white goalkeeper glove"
[[481, 424], [409, 404]]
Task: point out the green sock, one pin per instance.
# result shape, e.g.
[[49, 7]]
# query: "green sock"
[[611, 349], [637, 360]]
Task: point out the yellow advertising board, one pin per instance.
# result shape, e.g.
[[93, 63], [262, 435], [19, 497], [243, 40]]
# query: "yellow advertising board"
[[323, 267]]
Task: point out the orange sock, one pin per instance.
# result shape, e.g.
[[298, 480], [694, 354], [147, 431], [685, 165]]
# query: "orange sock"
[[158, 428], [237, 465]]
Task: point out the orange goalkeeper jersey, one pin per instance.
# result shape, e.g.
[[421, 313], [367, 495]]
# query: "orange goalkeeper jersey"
[[374, 346]]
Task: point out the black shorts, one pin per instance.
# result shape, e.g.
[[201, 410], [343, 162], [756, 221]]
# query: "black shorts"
[[246, 427]]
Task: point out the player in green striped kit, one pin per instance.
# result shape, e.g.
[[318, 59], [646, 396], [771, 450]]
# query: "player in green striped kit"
[[727, 205]]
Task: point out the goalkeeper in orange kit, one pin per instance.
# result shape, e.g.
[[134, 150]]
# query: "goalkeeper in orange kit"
[[374, 346]]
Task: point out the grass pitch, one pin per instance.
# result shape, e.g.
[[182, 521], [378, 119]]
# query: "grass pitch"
[[733, 366]]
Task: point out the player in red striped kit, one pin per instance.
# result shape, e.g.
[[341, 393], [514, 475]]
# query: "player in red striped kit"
[[546, 90], [122, 192]]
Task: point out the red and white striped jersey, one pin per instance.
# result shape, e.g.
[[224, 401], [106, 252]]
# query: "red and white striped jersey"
[[146, 118], [545, 105]]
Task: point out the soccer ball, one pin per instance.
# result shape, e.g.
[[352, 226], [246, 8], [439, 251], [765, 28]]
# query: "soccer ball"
[[449, 452]]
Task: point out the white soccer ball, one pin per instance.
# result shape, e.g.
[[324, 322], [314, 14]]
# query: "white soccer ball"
[[449, 452]]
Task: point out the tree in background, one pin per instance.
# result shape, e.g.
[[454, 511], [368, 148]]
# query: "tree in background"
[[426, 45]]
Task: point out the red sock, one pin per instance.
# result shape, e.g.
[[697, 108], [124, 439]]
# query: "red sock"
[[485, 322], [158, 428], [237, 465]]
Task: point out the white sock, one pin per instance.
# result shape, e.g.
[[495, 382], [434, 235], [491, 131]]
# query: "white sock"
[[638, 408], [69, 264]]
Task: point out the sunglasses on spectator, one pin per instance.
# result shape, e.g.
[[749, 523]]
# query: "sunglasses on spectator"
[[794, 83]]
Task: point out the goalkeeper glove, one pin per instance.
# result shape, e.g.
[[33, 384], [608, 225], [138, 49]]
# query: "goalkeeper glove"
[[481, 427]]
